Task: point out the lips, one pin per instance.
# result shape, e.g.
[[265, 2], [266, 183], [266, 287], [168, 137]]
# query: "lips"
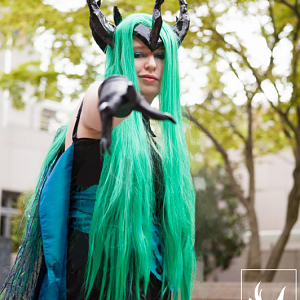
[[149, 77]]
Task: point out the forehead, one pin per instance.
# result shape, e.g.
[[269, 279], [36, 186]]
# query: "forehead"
[[138, 44]]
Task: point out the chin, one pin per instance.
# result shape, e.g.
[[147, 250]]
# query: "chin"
[[149, 94], [150, 97]]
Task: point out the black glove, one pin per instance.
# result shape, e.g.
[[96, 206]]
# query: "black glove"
[[118, 98]]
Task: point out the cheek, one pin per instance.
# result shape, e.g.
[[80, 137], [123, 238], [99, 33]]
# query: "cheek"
[[138, 65]]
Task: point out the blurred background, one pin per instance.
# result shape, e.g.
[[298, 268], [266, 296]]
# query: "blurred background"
[[241, 110]]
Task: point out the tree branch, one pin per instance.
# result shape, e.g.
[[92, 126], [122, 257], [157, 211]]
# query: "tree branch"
[[294, 8], [235, 186], [276, 39], [295, 60], [249, 94], [249, 153], [241, 53], [232, 125], [276, 33]]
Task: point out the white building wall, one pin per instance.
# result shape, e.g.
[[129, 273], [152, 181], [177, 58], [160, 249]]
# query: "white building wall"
[[23, 151], [274, 180], [23, 145]]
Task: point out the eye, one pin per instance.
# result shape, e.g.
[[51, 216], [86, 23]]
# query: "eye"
[[139, 54], [160, 55]]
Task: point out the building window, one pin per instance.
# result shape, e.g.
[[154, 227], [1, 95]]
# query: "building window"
[[3, 222], [7, 210]]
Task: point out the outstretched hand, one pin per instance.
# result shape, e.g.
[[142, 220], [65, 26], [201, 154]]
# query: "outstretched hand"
[[118, 98]]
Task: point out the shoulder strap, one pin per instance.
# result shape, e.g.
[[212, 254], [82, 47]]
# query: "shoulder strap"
[[74, 135]]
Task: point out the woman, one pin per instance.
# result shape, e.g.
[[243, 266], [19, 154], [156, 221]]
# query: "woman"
[[127, 232]]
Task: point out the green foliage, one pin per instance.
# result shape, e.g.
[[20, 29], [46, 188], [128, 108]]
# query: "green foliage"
[[69, 40], [193, 139], [29, 73], [17, 226], [223, 109], [219, 224]]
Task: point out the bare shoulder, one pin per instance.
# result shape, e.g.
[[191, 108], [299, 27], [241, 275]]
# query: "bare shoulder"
[[89, 125]]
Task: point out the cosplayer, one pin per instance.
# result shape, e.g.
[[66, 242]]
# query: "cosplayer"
[[112, 216]]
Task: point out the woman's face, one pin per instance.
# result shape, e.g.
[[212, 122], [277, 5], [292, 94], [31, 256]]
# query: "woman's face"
[[149, 68]]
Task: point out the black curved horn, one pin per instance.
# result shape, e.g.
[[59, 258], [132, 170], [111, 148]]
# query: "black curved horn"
[[117, 16], [157, 23], [102, 30], [183, 23]]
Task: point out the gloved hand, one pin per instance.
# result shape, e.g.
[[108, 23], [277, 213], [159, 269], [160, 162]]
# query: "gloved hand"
[[118, 98]]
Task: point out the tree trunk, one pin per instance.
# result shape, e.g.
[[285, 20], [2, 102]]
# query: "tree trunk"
[[291, 219], [253, 259]]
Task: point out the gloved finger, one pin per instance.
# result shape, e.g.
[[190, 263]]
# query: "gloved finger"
[[144, 107], [116, 106], [106, 120], [110, 106]]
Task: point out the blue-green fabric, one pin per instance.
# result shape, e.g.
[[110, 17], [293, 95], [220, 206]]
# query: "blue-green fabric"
[[82, 209], [157, 260], [53, 213], [81, 213]]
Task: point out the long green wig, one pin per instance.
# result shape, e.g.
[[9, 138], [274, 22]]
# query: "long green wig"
[[120, 246]]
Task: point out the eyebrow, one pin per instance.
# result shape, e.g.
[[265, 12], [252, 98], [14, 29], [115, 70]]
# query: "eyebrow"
[[141, 47]]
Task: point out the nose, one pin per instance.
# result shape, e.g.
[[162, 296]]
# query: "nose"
[[150, 64]]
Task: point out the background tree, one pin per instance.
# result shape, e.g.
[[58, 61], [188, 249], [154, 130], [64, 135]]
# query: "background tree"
[[219, 224], [262, 112]]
